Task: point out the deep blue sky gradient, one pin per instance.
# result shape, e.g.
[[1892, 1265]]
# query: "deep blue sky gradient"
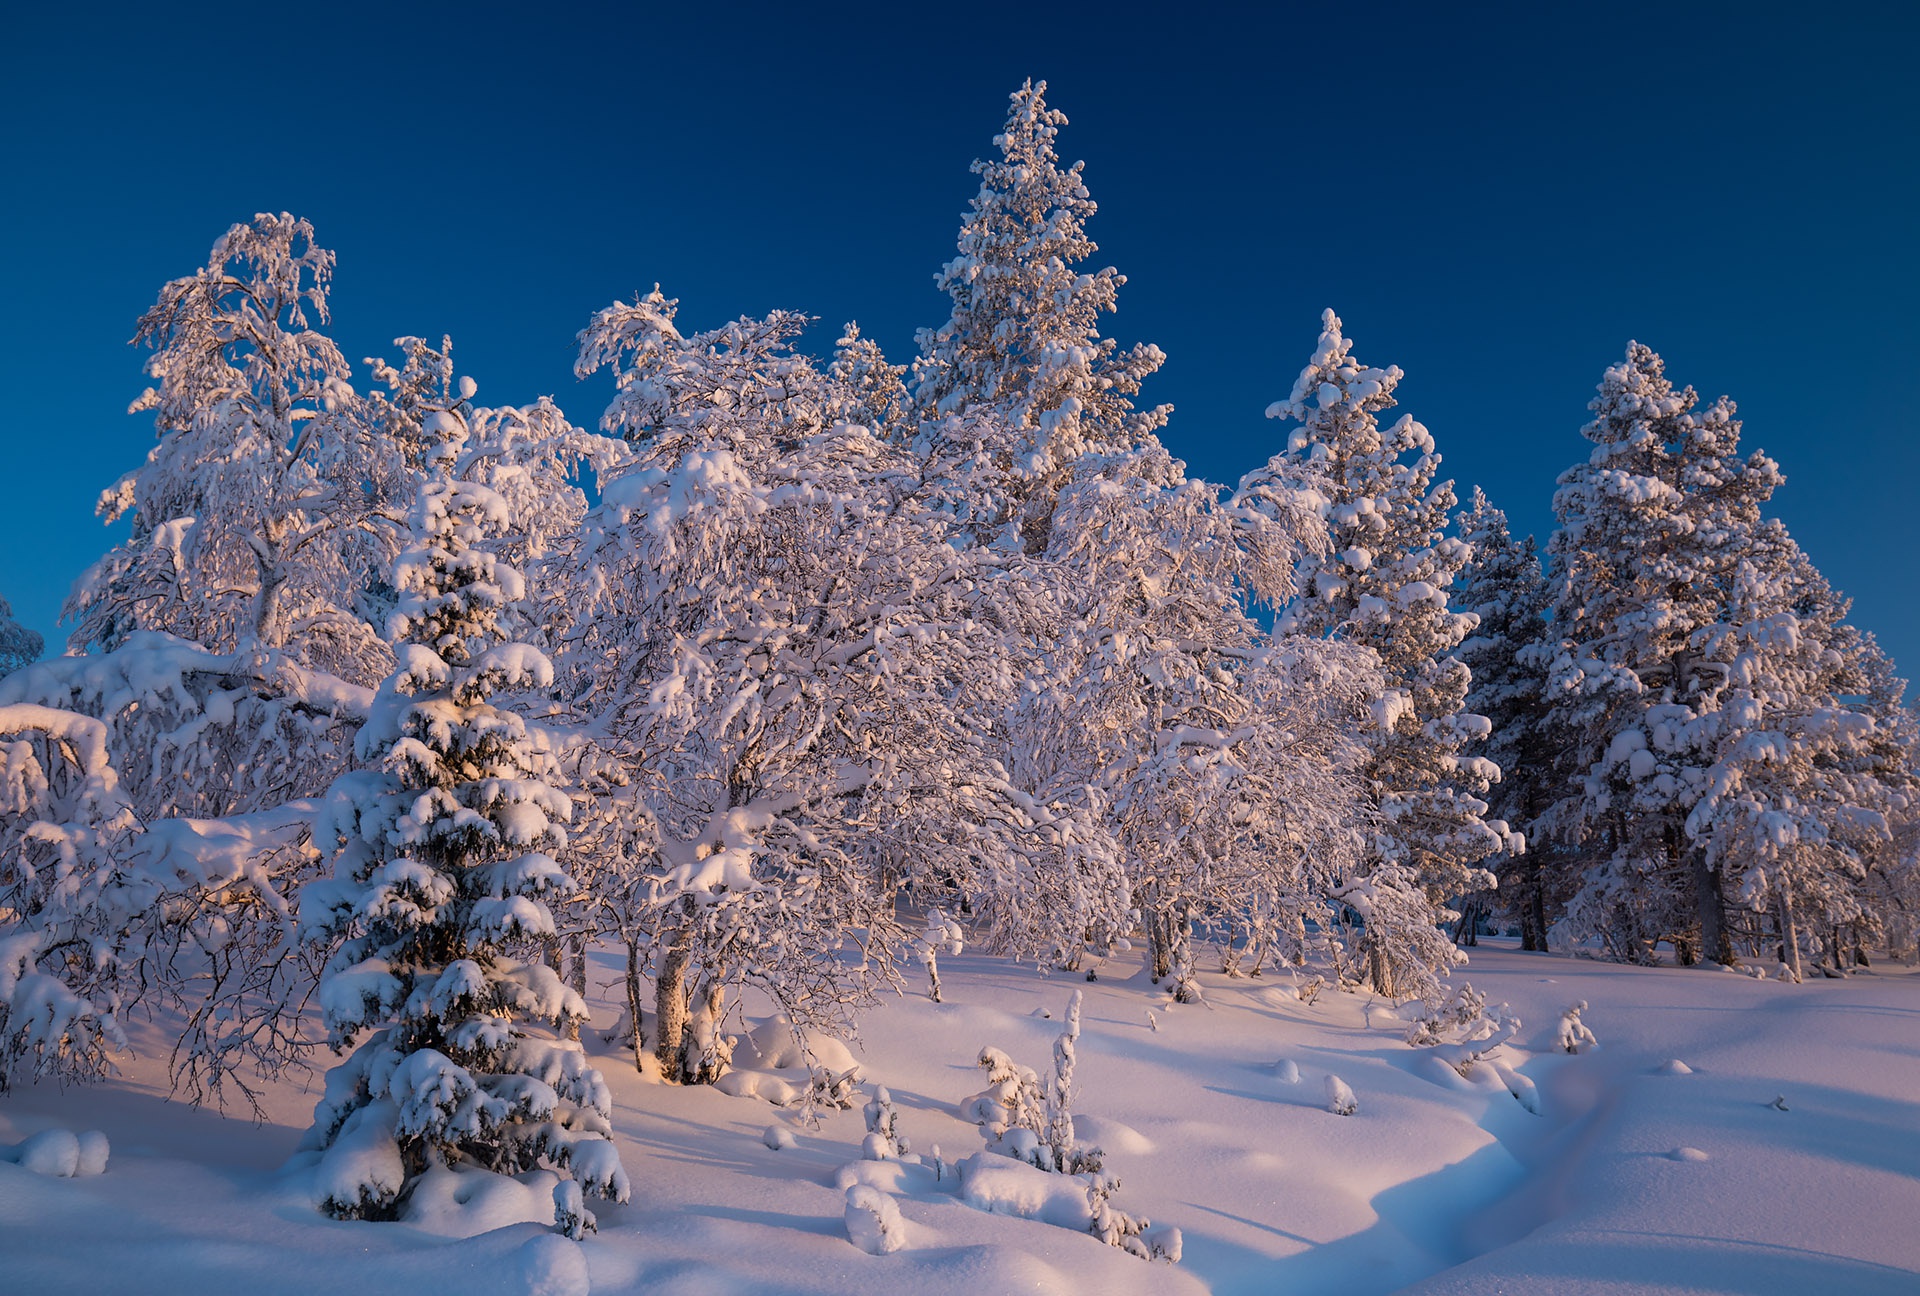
[[1495, 199]]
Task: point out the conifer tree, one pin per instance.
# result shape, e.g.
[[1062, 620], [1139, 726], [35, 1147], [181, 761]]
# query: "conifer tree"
[[1019, 383], [19, 646], [1652, 529], [443, 874], [1503, 585], [1383, 583]]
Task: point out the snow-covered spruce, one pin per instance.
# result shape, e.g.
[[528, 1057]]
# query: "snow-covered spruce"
[[1727, 740], [1383, 584], [18, 645], [1509, 653], [1018, 383], [442, 871]]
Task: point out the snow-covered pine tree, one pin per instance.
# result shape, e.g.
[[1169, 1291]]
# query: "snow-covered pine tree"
[[1383, 584], [19, 646], [1019, 383], [1503, 585], [442, 878], [1652, 529], [1807, 770], [62, 894]]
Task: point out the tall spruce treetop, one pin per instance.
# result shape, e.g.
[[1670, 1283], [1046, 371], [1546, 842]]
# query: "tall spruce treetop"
[[1019, 382], [442, 870], [1384, 583]]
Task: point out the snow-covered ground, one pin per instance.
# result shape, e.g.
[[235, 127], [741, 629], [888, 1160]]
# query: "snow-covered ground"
[[1635, 1176]]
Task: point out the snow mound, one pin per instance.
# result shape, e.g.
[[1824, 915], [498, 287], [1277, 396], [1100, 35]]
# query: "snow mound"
[[551, 1265], [777, 1137], [60, 1153], [54, 1152], [906, 1178], [773, 1046], [873, 1221], [1673, 1066], [1687, 1154], [93, 1152], [1110, 1135], [1340, 1099], [778, 1090], [778, 1066], [1287, 1071], [467, 1202], [1004, 1186]]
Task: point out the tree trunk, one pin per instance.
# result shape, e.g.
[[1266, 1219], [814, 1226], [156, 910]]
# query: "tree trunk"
[[1711, 905], [1789, 936], [1158, 939], [634, 999], [670, 1006], [1379, 969]]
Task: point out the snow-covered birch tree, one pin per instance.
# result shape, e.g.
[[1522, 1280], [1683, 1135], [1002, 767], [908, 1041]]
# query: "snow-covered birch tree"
[[775, 635]]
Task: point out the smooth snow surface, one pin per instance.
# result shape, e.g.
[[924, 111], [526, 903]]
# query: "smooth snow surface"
[[1629, 1179]]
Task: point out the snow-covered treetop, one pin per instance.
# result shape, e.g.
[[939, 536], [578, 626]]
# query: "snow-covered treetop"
[[1385, 580], [18, 645], [1024, 334]]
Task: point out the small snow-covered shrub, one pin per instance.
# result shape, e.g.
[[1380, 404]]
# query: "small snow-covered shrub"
[[884, 1140], [1026, 1122], [1462, 1028], [941, 935], [1340, 1099], [1574, 1037]]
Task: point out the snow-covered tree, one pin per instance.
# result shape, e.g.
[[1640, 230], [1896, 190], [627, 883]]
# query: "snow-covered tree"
[[1652, 530], [200, 918], [62, 813], [443, 874], [775, 634], [1218, 756], [239, 514], [1504, 587], [1807, 770], [19, 646], [1019, 383], [1383, 584]]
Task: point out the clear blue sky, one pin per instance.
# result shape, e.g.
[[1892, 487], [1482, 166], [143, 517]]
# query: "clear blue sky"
[[1494, 199]]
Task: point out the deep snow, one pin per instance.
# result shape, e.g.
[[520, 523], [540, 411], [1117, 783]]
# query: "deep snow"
[[1636, 1176]]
